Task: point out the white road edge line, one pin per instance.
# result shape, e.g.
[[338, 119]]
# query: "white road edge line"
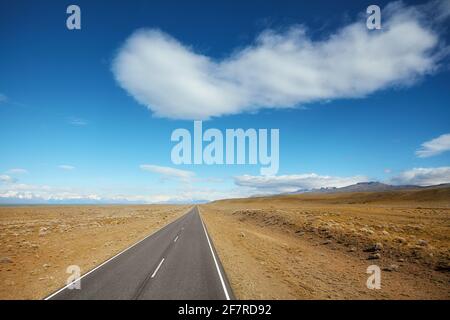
[[101, 265], [157, 268], [215, 261], [175, 239]]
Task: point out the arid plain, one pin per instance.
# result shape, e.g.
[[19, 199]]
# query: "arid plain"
[[318, 246], [308, 246], [38, 243]]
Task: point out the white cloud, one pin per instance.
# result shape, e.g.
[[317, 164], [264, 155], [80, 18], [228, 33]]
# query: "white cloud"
[[441, 9], [6, 179], [17, 171], [434, 147], [279, 70], [12, 191], [78, 122], [66, 167], [19, 192], [3, 98], [44, 193], [39, 193], [182, 195], [423, 176], [169, 172], [291, 183]]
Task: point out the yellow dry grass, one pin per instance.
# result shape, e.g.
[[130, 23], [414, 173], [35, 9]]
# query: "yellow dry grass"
[[314, 245], [38, 243]]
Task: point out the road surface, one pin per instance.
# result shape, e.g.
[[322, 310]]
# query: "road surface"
[[176, 262]]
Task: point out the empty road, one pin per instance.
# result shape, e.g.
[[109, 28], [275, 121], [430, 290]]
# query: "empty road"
[[176, 262]]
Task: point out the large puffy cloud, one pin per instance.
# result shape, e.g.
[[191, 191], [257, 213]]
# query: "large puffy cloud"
[[435, 146], [281, 70], [295, 182], [423, 176]]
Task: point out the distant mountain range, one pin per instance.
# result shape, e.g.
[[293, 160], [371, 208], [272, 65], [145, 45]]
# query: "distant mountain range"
[[371, 186]]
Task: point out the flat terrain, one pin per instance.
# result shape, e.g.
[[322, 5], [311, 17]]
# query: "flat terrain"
[[309, 246], [175, 263], [318, 246], [38, 243]]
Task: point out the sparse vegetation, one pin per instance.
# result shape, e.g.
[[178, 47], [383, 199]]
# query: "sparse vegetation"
[[38, 243], [406, 232]]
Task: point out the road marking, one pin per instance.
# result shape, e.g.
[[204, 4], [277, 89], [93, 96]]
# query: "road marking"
[[215, 261], [157, 268], [175, 239], [101, 265]]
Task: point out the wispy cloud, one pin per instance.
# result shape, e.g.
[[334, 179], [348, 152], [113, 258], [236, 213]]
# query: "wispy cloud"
[[185, 195], [6, 100], [423, 176], [4, 178], [3, 98], [78, 122], [17, 171], [25, 193], [168, 172], [434, 147], [11, 191], [43, 193], [66, 167], [295, 182], [281, 70]]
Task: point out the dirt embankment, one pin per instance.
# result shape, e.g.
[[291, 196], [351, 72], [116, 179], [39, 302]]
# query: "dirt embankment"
[[37, 244], [319, 246]]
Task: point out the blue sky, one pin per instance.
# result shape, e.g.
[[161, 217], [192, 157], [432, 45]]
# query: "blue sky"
[[82, 110]]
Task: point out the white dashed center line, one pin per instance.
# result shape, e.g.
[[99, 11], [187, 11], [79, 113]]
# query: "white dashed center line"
[[157, 268]]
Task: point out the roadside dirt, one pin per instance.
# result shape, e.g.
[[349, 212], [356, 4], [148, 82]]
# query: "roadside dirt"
[[320, 249], [38, 243]]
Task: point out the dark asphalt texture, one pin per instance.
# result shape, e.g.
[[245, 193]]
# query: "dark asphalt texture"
[[188, 271]]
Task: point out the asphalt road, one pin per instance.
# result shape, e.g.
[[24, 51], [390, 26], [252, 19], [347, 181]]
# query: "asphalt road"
[[176, 262]]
